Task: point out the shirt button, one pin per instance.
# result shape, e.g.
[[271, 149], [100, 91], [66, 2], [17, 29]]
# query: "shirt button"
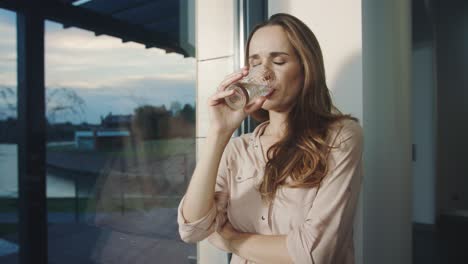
[[263, 218], [239, 178]]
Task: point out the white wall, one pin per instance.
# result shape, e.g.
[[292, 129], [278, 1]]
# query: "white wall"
[[337, 26], [423, 120]]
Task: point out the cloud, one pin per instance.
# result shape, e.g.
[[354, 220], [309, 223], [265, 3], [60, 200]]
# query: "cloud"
[[82, 40], [7, 40], [109, 75], [73, 55], [123, 82], [7, 22], [8, 57], [7, 48], [7, 78]]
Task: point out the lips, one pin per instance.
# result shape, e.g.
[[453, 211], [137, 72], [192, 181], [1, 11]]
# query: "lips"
[[270, 92]]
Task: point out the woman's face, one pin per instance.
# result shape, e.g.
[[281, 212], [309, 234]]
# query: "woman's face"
[[270, 47]]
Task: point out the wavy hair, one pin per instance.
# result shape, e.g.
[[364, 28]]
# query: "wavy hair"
[[302, 153]]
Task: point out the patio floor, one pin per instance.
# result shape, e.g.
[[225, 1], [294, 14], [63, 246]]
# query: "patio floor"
[[114, 240]]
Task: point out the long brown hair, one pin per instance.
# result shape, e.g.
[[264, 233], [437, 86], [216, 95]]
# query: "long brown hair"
[[303, 152]]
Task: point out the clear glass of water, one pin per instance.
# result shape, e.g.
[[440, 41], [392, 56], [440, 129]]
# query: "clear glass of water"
[[257, 83]]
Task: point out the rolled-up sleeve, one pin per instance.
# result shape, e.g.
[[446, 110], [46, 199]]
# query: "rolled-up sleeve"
[[326, 235], [216, 217]]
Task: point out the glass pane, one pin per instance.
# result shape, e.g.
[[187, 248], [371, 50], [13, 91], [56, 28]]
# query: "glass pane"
[[8, 140], [120, 148]]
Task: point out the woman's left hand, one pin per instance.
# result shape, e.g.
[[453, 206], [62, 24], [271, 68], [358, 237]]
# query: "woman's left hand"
[[222, 239]]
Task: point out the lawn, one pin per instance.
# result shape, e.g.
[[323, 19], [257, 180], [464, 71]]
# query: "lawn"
[[89, 205], [155, 148]]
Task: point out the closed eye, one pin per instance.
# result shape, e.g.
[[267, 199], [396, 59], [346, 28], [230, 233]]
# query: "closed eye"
[[279, 63]]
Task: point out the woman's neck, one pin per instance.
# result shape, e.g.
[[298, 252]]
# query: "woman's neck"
[[277, 126]]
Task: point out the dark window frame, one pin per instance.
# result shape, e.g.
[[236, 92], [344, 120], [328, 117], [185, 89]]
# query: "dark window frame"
[[249, 14]]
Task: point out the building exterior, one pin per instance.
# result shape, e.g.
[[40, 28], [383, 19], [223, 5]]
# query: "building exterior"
[[102, 140]]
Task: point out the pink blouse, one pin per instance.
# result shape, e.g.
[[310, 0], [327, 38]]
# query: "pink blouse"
[[317, 222]]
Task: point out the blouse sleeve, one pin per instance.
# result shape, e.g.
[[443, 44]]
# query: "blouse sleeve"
[[216, 216], [327, 229]]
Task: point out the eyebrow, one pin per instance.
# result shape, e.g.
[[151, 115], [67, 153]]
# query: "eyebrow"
[[272, 54]]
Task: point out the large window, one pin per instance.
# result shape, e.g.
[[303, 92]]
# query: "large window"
[[8, 139], [120, 135], [120, 147]]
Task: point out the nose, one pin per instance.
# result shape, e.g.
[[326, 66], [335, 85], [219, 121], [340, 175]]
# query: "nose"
[[268, 73], [267, 64]]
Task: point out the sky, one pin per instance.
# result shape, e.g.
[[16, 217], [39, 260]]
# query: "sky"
[[110, 76]]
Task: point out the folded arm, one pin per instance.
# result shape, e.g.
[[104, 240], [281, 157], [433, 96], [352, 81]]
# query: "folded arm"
[[261, 248]]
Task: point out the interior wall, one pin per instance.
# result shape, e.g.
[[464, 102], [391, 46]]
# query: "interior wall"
[[340, 39], [452, 105]]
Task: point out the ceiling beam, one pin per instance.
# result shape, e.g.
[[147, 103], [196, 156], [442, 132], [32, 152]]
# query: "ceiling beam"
[[74, 16]]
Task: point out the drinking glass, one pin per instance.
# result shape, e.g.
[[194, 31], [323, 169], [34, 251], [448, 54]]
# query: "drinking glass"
[[257, 83]]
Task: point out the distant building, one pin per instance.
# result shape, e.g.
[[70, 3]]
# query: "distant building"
[[117, 121], [114, 132], [102, 140]]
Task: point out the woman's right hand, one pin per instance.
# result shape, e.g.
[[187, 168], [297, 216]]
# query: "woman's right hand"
[[222, 117]]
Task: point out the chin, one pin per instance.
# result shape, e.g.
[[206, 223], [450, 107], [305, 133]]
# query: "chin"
[[267, 105], [272, 106]]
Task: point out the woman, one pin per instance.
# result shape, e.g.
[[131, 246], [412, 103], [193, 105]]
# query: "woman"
[[287, 192]]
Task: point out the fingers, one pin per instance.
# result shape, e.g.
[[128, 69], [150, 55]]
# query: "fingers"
[[257, 104], [232, 78], [219, 97], [221, 93]]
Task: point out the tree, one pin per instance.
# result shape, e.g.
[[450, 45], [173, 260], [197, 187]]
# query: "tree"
[[188, 113], [150, 122], [175, 108], [8, 102], [64, 103], [61, 102]]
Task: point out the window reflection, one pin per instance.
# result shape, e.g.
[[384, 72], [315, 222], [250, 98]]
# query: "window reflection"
[[121, 146], [8, 139], [120, 143]]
